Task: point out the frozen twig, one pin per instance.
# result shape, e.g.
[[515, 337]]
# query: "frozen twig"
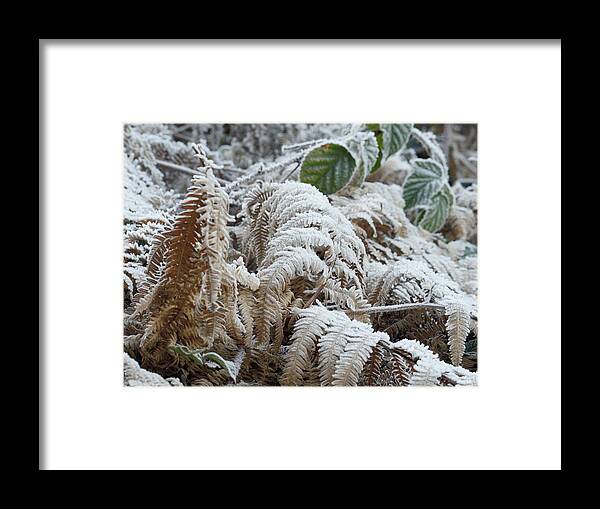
[[176, 167], [396, 307]]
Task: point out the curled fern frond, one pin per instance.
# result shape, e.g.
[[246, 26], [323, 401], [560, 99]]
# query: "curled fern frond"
[[301, 244]]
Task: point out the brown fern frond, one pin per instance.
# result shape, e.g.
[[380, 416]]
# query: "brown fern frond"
[[356, 353], [351, 353], [187, 302], [260, 367], [422, 325], [373, 366], [301, 355], [400, 369], [460, 225]]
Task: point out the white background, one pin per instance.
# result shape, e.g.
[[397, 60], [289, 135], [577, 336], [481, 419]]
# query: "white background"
[[512, 420]]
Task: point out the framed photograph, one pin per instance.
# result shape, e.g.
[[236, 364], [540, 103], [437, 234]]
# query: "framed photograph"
[[348, 267]]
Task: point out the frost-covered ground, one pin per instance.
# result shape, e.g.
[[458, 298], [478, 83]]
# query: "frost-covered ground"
[[300, 254]]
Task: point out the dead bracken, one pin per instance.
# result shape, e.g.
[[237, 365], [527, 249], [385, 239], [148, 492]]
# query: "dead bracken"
[[305, 255]]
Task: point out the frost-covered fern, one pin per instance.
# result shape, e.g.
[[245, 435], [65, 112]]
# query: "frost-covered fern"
[[300, 255], [302, 248], [148, 210], [348, 352]]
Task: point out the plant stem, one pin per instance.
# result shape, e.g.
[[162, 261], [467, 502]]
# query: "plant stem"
[[184, 169], [291, 172], [312, 300], [396, 307]]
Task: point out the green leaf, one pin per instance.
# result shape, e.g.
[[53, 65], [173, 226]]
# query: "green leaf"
[[364, 149], [377, 165], [369, 152], [434, 216], [391, 138], [395, 138], [427, 190], [328, 168], [374, 128], [427, 178], [187, 353]]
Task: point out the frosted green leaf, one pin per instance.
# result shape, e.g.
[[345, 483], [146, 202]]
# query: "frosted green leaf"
[[377, 165], [374, 128], [191, 355], [434, 216], [209, 359], [363, 147], [369, 152], [213, 357], [395, 137], [328, 168], [427, 178]]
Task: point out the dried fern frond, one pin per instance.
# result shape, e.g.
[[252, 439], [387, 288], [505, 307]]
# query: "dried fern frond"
[[274, 294], [457, 326], [443, 265], [377, 215], [409, 280], [152, 272], [329, 340], [406, 281], [301, 245], [372, 371], [424, 325], [375, 210], [187, 304], [400, 368], [348, 352], [428, 369], [296, 205], [256, 223], [460, 225], [301, 354], [414, 281], [352, 360], [261, 367], [148, 210], [341, 358]]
